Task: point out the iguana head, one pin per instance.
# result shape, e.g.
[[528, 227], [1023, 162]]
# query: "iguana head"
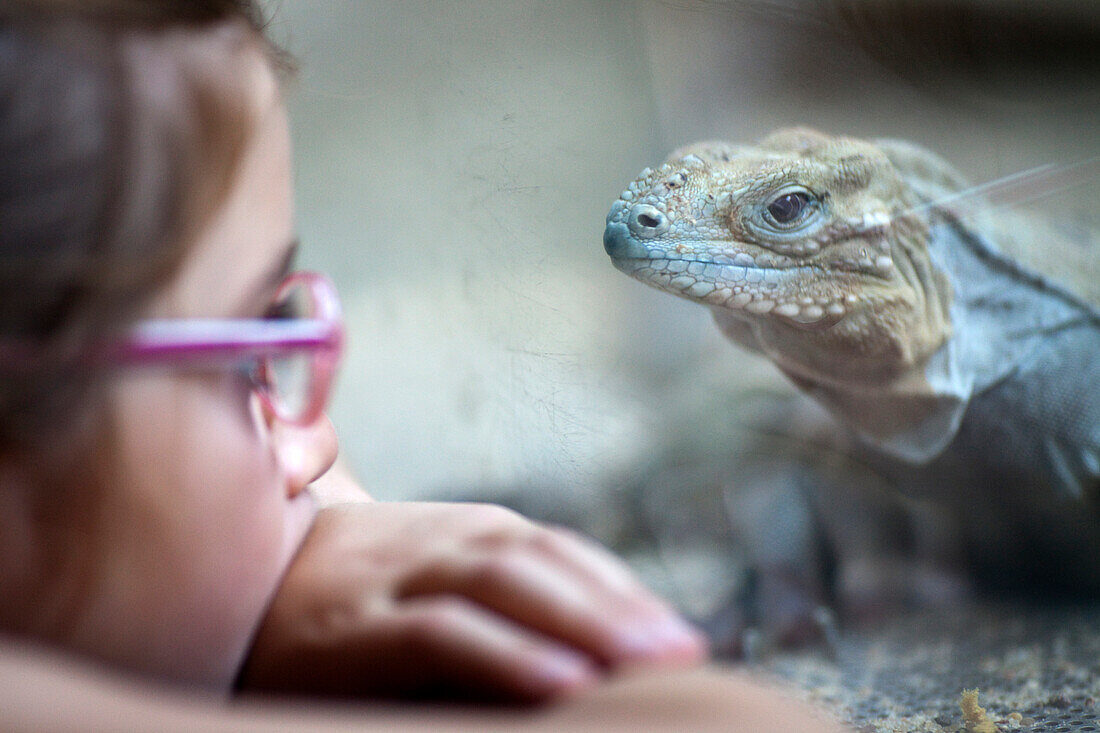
[[802, 247]]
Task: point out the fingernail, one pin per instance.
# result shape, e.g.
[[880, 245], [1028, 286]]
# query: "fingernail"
[[670, 636], [561, 669], [677, 632]]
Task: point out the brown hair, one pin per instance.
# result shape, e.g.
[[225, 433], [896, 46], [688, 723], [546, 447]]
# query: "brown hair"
[[118, 136]]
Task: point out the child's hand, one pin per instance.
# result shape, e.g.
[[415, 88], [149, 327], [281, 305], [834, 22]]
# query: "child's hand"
[[427, 599]]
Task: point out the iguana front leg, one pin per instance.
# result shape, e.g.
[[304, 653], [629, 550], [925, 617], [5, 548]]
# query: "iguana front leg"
[[827, 537]]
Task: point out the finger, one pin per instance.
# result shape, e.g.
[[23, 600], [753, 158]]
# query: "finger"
[[494, 528], [639, 626], [448, 646], [589, 560], [497, 529], [540, 593]]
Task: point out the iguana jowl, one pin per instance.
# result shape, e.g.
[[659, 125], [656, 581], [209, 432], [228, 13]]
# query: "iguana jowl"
[[960, 347]]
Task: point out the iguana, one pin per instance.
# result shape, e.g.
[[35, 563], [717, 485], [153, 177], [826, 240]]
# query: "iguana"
[[958, 347]]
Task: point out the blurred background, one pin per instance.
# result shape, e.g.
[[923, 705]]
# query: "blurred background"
[[455, 163], [456, 160]]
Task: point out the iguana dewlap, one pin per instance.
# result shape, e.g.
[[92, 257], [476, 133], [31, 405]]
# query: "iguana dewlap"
[[937, 333]]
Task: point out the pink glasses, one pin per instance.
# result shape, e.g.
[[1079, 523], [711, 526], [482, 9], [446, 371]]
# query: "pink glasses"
[[291, 356]]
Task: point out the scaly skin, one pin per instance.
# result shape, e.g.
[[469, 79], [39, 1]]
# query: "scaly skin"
[[967, 375]]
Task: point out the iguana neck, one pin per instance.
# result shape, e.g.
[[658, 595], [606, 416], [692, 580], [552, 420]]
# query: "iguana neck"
[[1001, 315], [1001, 312]]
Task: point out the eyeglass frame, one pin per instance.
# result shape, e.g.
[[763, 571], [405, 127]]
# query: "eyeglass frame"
[[213, 341]]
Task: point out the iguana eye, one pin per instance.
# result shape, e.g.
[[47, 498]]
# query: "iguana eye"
[[790, 207]]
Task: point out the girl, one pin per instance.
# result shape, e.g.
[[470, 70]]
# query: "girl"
[[163, 445]]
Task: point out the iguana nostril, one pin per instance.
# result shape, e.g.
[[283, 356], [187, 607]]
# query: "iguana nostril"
[[647, 221]]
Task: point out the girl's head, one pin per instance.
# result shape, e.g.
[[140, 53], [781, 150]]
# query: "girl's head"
[[147, 511]]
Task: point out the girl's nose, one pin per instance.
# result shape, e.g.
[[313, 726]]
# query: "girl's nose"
[[304, 452]]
